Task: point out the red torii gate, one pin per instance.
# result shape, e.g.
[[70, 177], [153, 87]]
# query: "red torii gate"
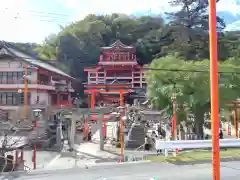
[[235, 116], [93, 94]]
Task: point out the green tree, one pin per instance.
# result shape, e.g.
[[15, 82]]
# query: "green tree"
[[190, 28], [191, 86], [78, 45]]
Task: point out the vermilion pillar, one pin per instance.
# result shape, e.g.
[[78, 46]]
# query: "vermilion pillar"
[[121, 128], [104, 127], [35, 149], [92, 108], [121, 98], [26, 90], [214, 89], [235, 121], [174, 121]]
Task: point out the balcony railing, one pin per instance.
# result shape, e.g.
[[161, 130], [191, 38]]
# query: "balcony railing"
[[64, 88], [118, 63], [21, 81]]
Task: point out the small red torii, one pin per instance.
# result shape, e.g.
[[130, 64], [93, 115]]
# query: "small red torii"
[[93, 94]]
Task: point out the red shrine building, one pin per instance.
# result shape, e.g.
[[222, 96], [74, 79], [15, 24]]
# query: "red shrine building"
[[117, 71]]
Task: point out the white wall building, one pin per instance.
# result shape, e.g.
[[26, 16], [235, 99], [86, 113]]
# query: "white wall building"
[[47, 85]]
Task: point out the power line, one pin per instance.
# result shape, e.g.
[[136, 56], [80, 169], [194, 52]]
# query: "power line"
[[45, 20], [152, 69], [41, 16], [41, 12], [189, 70], [145, 68]]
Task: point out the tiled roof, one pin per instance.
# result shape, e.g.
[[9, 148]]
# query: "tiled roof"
[[15, 52], [119, 44]]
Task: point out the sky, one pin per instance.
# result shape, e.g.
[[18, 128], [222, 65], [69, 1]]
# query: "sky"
[[34, 20]]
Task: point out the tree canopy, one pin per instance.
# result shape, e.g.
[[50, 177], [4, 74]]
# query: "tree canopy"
[[190, 81], [183, 33]]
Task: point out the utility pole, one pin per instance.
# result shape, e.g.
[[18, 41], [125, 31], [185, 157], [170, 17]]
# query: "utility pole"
[[174, 118], [37, 118], [100, 122], [121, 127], [235, 116], [26, 90]]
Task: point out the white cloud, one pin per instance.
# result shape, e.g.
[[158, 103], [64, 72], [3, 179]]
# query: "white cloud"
[[130, 6], [231, 6], [20, 25], [234, 26], [115, 6]]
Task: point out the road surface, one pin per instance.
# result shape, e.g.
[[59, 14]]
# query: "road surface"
[[138, 171]]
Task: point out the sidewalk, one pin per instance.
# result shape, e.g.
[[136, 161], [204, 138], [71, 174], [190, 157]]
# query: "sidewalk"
[[43, 158], [87, 154], [93, 148]]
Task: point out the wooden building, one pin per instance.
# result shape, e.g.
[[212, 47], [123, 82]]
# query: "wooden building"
[[117, 71]]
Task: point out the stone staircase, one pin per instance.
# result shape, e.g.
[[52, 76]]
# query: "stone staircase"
[[136, 136], [112, 130]]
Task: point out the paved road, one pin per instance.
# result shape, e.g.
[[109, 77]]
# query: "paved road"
[[141, 171]]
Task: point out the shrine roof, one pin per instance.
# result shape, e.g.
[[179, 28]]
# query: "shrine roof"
[[113, 67], [117, 44]]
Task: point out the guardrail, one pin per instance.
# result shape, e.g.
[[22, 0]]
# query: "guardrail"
[[194, 144]]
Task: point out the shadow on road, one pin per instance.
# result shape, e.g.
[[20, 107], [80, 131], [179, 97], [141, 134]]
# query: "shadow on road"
[[111, 152], [99, 158]]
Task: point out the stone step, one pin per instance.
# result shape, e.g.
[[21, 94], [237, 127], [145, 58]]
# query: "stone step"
[[136, 136]]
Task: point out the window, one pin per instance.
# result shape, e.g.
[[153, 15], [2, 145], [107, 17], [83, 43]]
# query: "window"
[[11, 77], [12, 98], [3, 99], [38, 99], [4, 78], [22, 98]]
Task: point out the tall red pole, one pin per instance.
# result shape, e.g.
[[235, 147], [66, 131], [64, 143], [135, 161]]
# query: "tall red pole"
[[92, 108], [104, 127], [121, 128], [26, 90], [174, 121], [235, 121], [35, 149], [214, 90]]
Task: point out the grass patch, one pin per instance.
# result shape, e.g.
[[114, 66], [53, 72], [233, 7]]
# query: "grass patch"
[[196, 156]]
